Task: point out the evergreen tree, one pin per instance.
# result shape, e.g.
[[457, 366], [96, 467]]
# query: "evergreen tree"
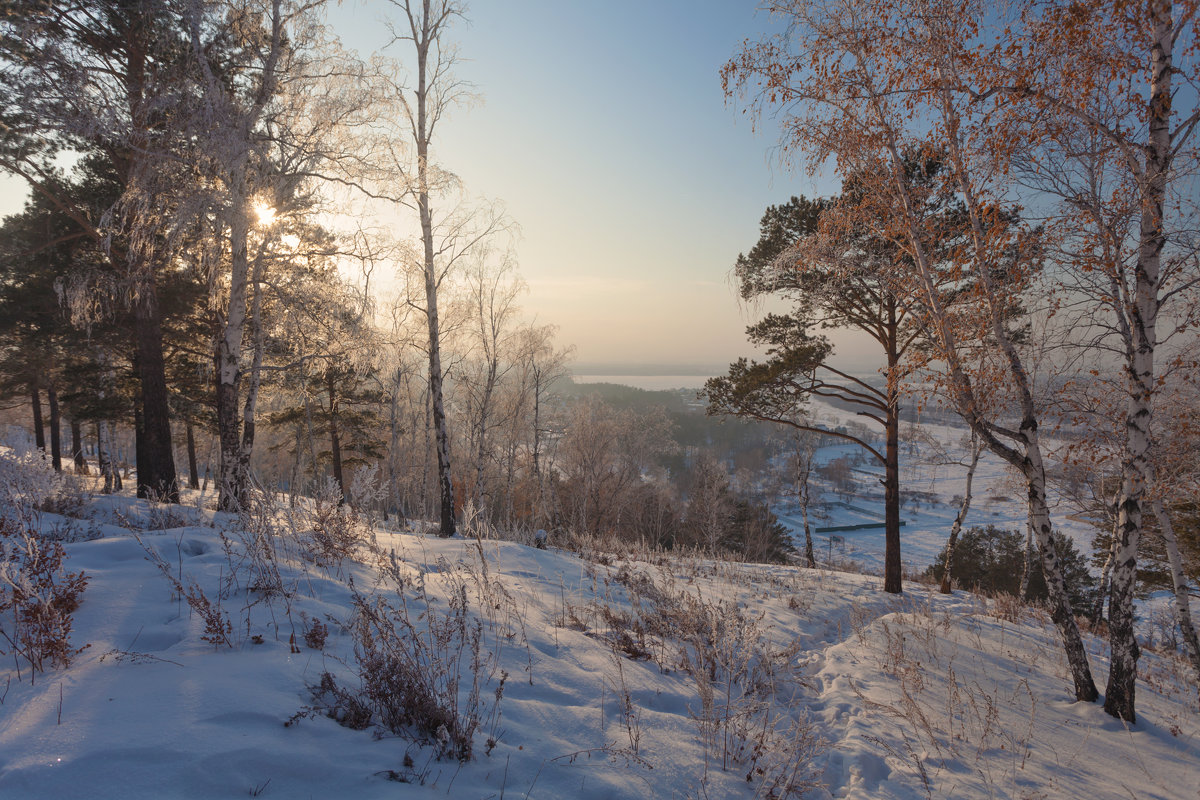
[[990, 560]]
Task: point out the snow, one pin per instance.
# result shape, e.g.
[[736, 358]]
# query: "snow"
[[869, 695], [997, 498]]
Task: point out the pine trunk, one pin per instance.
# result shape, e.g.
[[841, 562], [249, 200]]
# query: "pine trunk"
[[39, 431], [55, 428], [193, 472], [891, 506], [81, 466], [156, 477], [892, 579]]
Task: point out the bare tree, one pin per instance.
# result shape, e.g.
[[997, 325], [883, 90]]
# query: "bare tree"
[[960, 517], [423, 26], [804, 456], [492, 289], [1113, 138]]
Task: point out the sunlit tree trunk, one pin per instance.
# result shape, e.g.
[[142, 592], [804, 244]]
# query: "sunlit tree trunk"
[[232, 480], [437, 396]]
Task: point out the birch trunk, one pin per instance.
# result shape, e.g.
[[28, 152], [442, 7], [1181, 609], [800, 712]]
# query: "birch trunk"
[[246, 450], [241, 115], [335, 438], [1183, 609], [1119, 700], [231, 482], [441, 430], [1106, 570], [485, 405], [104, 456], [393, 496], [804, 490], [960, 517], [810, 558], [1027, 565], [1030, 462]]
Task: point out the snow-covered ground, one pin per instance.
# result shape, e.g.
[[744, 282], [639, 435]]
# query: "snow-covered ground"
[[997, 498], [604, 677]]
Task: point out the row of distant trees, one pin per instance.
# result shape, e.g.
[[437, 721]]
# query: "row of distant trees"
[[1016, 229]]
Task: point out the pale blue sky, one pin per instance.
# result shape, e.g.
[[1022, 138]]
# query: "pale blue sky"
[[603, 129]]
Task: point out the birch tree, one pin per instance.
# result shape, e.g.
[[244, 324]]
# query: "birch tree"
[[423, 26], [278, 102], [1101, 97], [492, 289], [865, 83]]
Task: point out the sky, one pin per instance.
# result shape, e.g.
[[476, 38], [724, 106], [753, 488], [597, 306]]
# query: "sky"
[[604, 131]]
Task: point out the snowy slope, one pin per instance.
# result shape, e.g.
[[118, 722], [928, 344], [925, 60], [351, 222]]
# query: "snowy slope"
[[625, 679]]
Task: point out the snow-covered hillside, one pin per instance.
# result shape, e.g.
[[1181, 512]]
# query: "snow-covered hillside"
[[607, 676]]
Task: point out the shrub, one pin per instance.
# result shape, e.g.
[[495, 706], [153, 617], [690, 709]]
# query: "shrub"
[[37, 597], [421, 672], [990, 560], [335, 533]]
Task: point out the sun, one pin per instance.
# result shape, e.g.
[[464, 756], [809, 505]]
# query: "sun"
[[265, 211]]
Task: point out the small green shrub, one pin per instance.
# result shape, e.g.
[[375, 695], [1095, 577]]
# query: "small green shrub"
[[990, 560]]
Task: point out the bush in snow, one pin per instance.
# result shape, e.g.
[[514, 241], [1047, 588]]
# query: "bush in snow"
[[29, 484], [421, 671], [335, 529], [990, 560], [37, 594]]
